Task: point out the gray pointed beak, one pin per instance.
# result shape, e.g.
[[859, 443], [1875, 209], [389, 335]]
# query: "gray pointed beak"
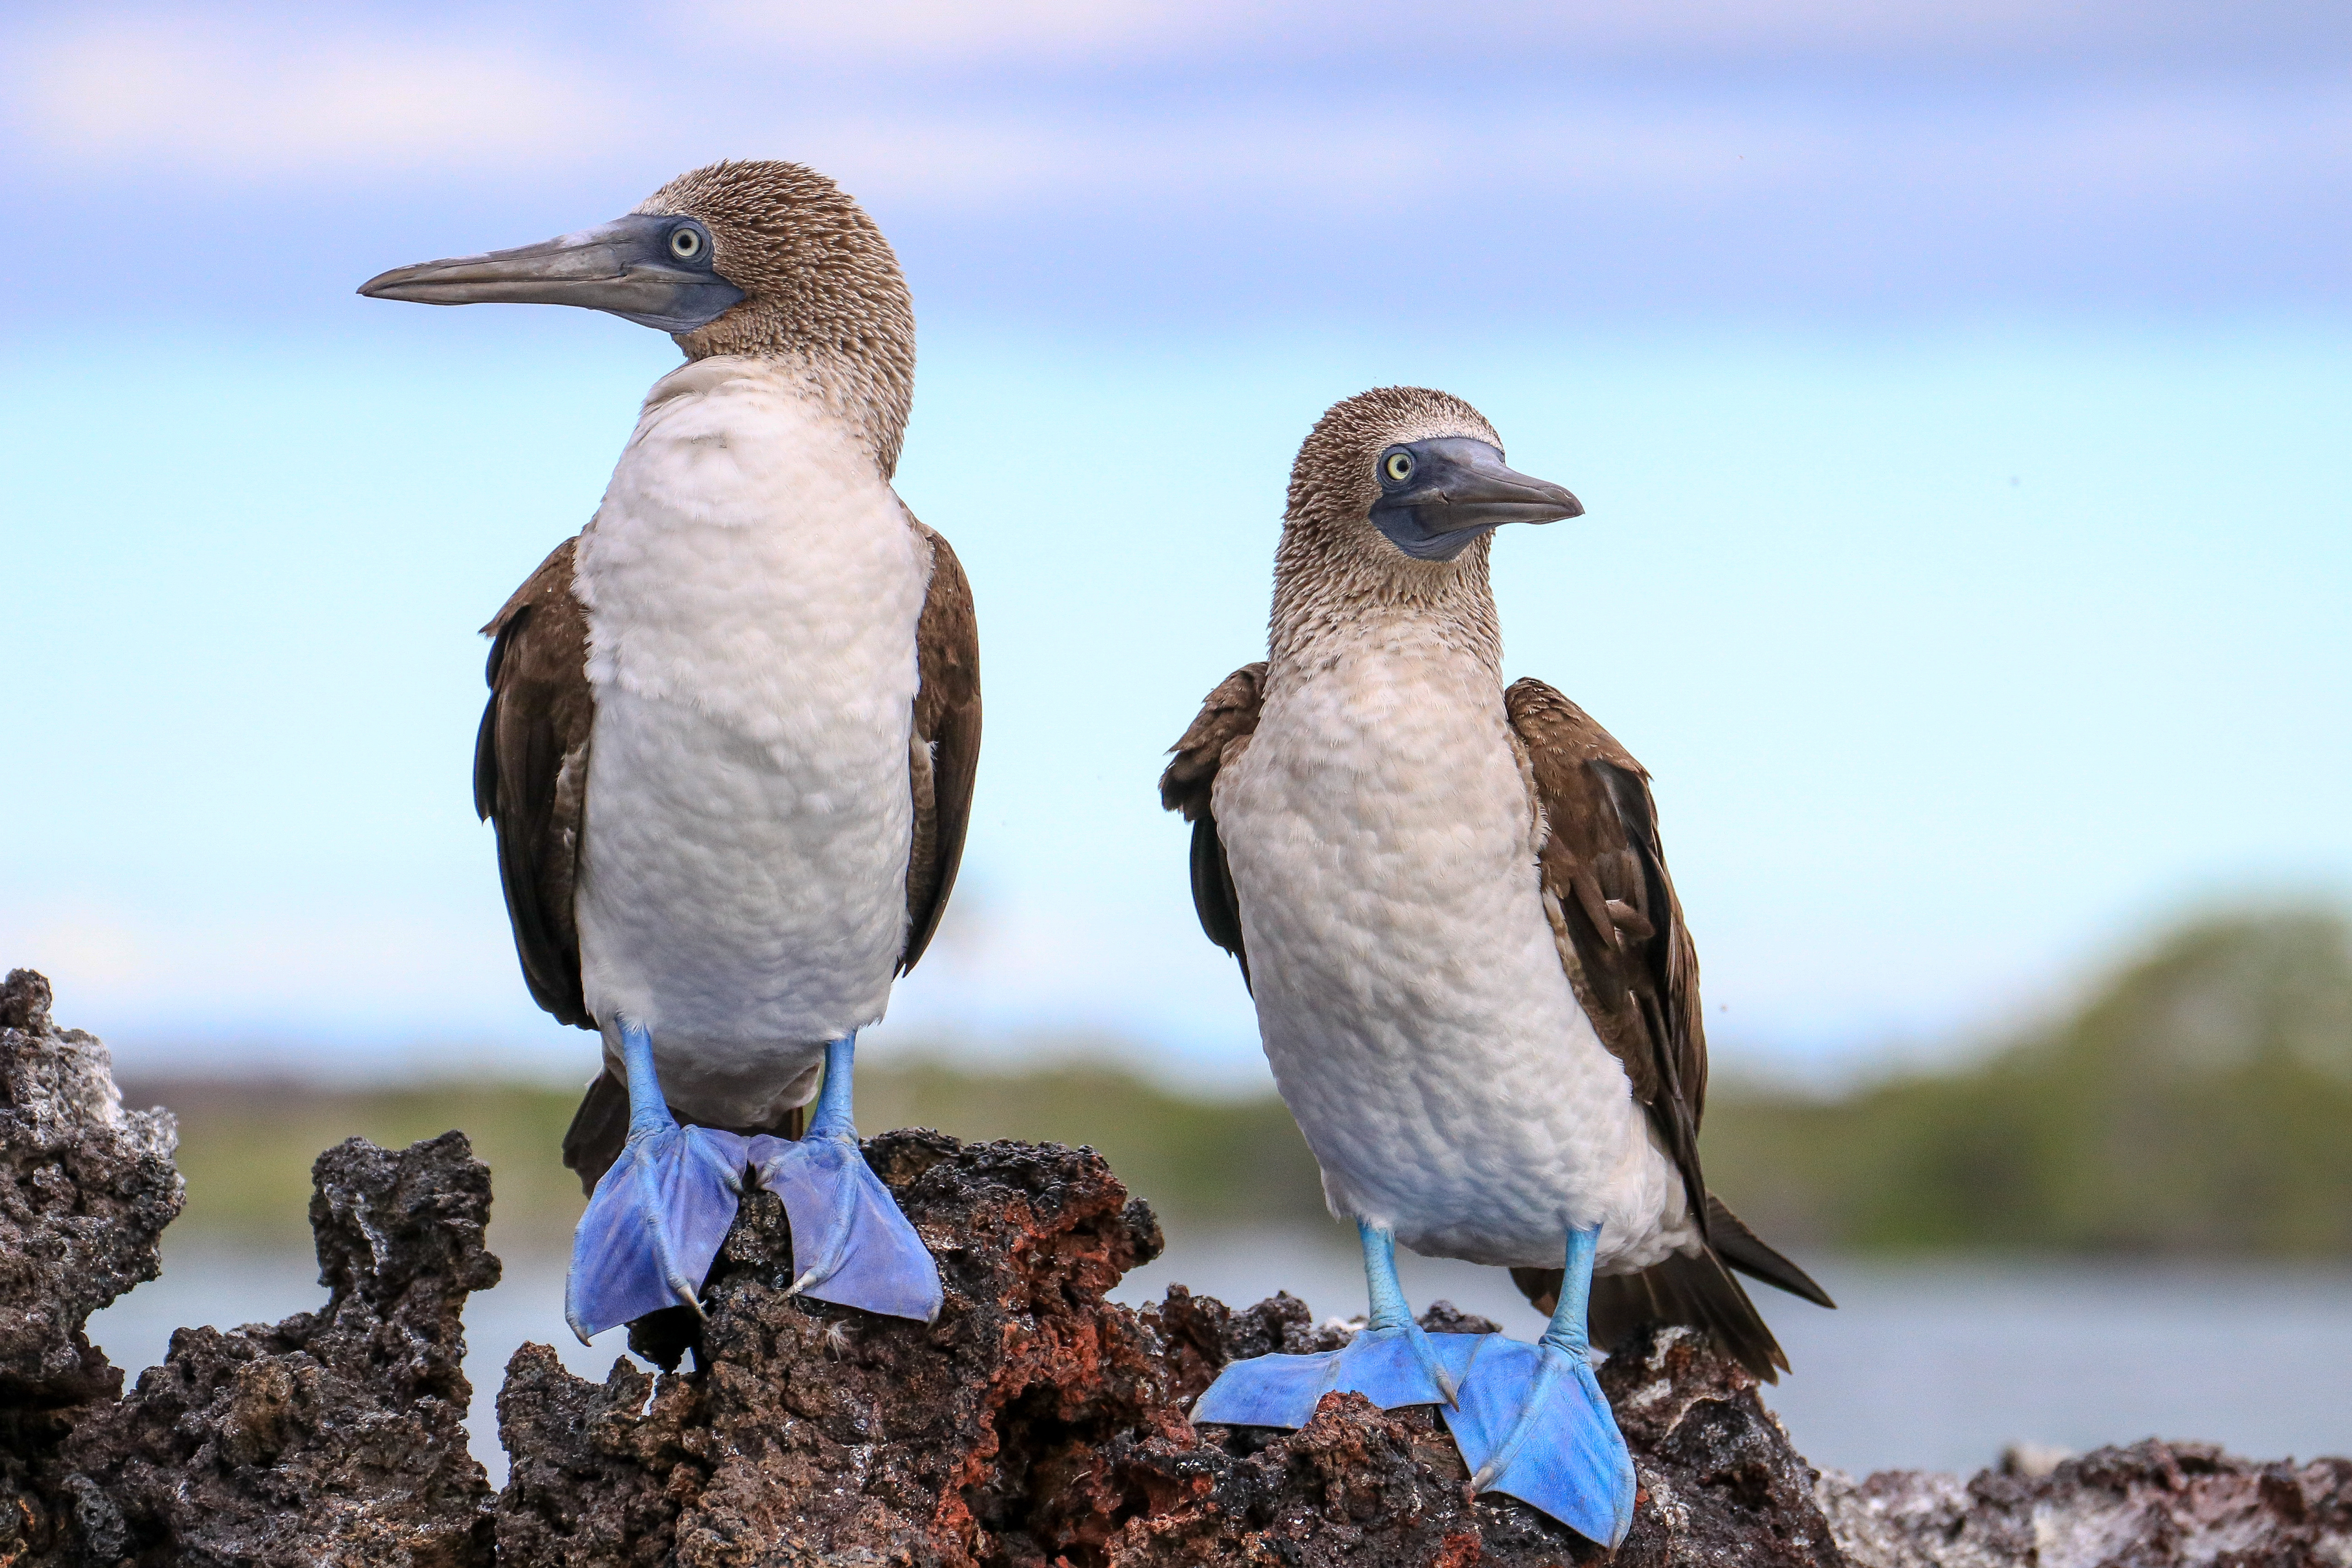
[[627, 267], [1459, 488]]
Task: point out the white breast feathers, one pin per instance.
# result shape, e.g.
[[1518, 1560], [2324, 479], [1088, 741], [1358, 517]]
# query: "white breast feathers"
[[752, 586], [1411, 1001]]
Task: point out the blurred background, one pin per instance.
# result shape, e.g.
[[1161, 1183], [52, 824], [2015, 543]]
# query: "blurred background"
[[1957, 392]]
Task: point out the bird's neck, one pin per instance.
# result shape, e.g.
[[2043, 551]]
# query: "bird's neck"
[[803, 434], [868, 393], [1335, 598]]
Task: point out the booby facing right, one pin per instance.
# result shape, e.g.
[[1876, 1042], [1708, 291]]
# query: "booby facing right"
[[1472, 975], [731, 734]]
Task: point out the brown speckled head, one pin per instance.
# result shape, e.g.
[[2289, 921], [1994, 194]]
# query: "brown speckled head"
[[1335, 478], [822, 288], [1334, 569], [792, 272]]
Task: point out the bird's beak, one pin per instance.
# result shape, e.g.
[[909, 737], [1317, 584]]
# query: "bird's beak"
[[624, 267], [1460, 489]]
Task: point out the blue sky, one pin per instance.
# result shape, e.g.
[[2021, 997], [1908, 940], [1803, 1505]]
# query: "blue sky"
[[1958, 395]]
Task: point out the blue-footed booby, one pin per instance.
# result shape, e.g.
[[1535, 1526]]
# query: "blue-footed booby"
[[731, 733], [1472, 976]]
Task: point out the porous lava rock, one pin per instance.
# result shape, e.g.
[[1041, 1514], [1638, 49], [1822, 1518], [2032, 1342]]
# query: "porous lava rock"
[[2151, 1505], [1038, 1424], [809, 1433], [1719, 1482], [336, 1437], [86, 1189]]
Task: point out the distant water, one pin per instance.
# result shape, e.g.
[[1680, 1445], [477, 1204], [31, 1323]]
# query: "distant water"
[[1932, 1365], [1941, 1365]]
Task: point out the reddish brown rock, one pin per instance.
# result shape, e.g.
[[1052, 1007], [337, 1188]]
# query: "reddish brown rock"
[[814, 1433], [1036, 1423]]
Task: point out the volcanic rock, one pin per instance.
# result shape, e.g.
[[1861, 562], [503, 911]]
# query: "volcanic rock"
[[337, 1437], [1038, 1424], [1035, 1425], [86, 1189], [2151, 1505]]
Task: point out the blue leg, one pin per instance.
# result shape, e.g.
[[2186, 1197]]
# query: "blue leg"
[[1391, 1362], [849, 1240], [1534, 1425], [655, 1220]]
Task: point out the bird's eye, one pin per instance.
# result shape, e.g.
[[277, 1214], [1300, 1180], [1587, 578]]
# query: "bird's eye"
[[1398, 467], [686, 244]]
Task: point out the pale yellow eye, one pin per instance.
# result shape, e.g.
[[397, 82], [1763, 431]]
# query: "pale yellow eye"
[[1399, 466], [686, 244]]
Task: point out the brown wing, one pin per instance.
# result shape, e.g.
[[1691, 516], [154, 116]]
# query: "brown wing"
[[1622, 939], [945, 754], [1225, 723], [531, 773], [1620, 930]]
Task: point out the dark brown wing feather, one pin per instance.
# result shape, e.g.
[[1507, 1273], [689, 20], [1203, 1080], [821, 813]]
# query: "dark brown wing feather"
[[1636, 969], [945, 754], [530, 774], [1226, 720], [1745, 1250], [1605, 883]]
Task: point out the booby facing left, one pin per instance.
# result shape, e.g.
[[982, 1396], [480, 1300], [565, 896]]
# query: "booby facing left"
[[731, 733]]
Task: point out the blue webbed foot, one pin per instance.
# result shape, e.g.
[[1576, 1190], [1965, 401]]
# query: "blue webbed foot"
[[1392, 1361], [657, 1218], [850, 1242], [1534, 1425], [1388, 1366], [653, 1227]]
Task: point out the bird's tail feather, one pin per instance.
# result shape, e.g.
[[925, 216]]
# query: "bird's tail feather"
[[1697, 1290], [1746, 1251], [598, 1130]]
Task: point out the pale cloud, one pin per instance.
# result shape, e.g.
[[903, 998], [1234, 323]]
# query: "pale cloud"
[[165, 94], [951, 30], [168, 93], [2119, 143], [1331, 159], [945, 32], [205, 964]]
